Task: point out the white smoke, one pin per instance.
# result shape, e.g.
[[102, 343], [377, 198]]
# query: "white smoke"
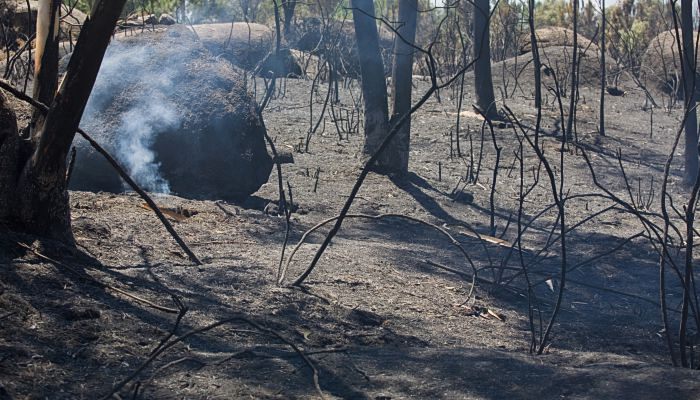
[[138, 128], [147, 114]]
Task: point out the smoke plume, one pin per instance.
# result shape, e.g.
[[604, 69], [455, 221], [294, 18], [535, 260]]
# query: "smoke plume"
[[133, 125]]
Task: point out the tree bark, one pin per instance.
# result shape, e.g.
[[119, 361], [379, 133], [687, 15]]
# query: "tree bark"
[[288, 10], [535, 55], [483, 82], [569, 134], [46, 61], [603, 70], [372, 70], [39, 197], [690, 96], [9, 146], [402, 86]]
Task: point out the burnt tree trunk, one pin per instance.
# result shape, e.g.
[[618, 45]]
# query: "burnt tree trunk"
[[535, 55], [37, 193], [483, 82], [374, 95], [46, 61], [182, 17], [288, 10], [690, 97], [402, 86], [9, 152], [603, 70], [569, 134]]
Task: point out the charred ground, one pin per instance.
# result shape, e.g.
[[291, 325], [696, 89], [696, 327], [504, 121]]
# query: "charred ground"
[[376, 318]]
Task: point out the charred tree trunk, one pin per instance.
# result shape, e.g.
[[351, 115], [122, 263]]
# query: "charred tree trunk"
[[38, 196], [535, 55], [402, 86], [182, 12], [288, 10], [690, 96], [9, 152], [46, 61], [483, 82], [374, 94], [569, 134], [603, 70]]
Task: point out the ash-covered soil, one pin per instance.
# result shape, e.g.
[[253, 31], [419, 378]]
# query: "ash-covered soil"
[[380, 317]]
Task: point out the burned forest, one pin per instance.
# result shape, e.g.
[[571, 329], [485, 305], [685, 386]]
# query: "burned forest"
[[349, 199]]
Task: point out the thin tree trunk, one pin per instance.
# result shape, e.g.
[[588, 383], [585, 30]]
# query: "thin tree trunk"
[[372, 69], [288, 9], [9, 146], [689, 85], [535, 55], [183, 11], [483, 82], [46, 61], [569, 133], [41, 195], [603, 70], [402, 85]]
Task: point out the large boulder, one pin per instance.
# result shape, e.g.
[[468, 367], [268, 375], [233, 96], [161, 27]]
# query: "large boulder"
[[661, 67], [177, 118], [556, 50], [22, 19], [556, 64], [246, 45], [336, 41], [555, 37]]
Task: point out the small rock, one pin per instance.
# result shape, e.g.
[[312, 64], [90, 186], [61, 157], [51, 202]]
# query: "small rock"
[[166, 19], [137, 19], [78, 314], [271, 209], [150, 19], [614, 91]]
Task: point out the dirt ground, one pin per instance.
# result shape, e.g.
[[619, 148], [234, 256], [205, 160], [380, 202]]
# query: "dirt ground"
[[377, 318]]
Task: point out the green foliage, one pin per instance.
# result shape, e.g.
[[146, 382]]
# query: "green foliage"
[[198, 11], [157, 6], [553, 13], [507, 24], [631, 27], [631, 24]]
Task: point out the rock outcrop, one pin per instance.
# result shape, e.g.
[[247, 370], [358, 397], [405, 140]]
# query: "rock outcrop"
[[556, 37], [337, 42], [661, 66], [248, 46], [176, 117]]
